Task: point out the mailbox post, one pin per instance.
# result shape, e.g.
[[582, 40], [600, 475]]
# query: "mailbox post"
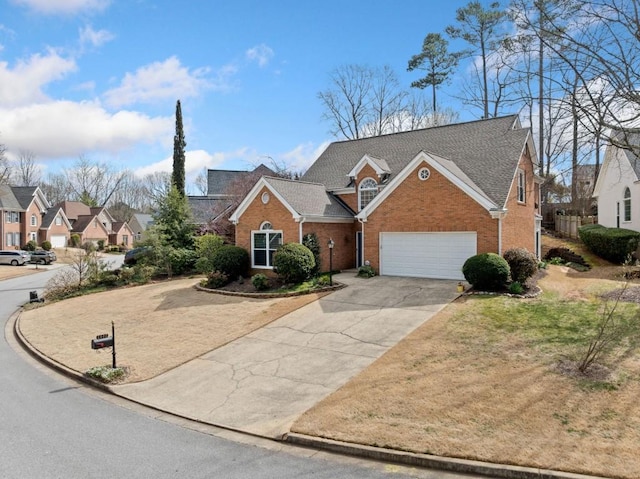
[[331, 244], [104, 341]]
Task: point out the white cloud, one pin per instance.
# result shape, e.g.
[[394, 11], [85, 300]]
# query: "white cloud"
[[196, 160], [302, 156], [261, 54], [52, 7], [158, 81], [66, 129], [23, 84], [95, 38]]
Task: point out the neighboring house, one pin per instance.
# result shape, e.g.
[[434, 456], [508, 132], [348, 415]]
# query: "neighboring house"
[[139, 223], [56, 227], [225, 189], [617, 190], [26, 216], [94, 223], [417, 203], [121, 235]]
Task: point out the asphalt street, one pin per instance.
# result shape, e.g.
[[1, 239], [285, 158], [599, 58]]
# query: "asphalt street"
[[53, 427]]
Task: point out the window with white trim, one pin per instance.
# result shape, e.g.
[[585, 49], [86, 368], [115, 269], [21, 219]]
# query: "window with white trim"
[[12, 217], [264, 244], [627, 204], [34, 220], [13, 239], [367, 191], [32, 236], [522, 187], [58, 220]]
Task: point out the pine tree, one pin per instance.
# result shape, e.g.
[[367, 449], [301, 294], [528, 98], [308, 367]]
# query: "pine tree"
[[179, 144]]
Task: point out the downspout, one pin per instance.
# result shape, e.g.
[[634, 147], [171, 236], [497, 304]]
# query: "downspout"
[[302, 220], [362, 222], [500, 235]]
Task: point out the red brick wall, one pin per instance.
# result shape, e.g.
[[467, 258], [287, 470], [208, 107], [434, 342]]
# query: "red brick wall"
[[518, 227], [432, 205], [55, 230], [344, 238], [27, 229], [94, 232], [343, 234]]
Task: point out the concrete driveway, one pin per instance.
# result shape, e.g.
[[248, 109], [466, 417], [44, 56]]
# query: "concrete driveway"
[[263, 382]]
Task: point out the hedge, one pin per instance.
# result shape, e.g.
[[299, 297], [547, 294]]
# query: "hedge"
[[613, 244]]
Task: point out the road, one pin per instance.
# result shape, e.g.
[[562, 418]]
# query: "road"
[[54, 427]]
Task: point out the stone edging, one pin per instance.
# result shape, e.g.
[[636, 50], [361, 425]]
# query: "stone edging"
[[335, 287], [533, 294]]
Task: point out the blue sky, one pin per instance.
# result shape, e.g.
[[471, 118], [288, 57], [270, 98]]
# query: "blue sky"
[[100, 78]]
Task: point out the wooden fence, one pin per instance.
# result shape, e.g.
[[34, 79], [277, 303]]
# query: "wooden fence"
[[567, 226]]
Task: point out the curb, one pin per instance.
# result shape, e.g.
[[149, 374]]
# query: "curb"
[[428, 461], [349, 449]]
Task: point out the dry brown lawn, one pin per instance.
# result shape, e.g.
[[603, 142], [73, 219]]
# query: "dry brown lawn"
[[454, 389], [158, 326]]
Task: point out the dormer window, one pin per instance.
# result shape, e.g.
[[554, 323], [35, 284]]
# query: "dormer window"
[[367, 191]]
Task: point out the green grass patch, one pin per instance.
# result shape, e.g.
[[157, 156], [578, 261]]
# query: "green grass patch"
[[548, 322]]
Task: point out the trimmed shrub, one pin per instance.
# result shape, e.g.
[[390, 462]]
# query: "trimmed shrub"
[[46, 245], [75, 240], [206, 246], [100, 245], [516, 288], [486, 271], [217, 279], [30, 246], [522, 264], [612, 244], [293, 262], [260, 281], [182, 260], [231, 260], [565, 255], [311, 241], [366, 272]]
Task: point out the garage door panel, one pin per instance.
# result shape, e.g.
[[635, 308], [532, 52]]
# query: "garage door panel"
[[426, 255], [58, 241]]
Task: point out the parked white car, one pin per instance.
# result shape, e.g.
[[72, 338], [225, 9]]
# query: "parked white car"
[[14, 257]]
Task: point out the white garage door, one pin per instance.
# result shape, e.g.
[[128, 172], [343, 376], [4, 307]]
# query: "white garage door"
[[426, 255], [58, 241]]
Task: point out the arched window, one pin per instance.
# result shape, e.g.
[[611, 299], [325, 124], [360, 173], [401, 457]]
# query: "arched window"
[[264, 244], [627, 204], [368, 189], [34, 220]]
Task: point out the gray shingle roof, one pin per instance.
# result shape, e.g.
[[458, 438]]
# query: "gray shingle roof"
[[487, 151], [8, 200], [49, 216], [206, 209], [219, 181], [309, 199], [24, 195]]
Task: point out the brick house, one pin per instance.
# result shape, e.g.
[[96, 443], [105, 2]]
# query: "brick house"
[[95, 224], [416, 203], [28, 216]]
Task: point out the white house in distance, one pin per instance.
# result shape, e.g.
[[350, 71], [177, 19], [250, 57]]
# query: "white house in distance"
[[618, 187]]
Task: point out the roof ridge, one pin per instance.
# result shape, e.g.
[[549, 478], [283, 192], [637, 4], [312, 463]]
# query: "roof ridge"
[[294, 181], [434, 127]]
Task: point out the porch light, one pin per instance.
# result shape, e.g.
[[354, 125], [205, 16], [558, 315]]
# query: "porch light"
[[331, 244]]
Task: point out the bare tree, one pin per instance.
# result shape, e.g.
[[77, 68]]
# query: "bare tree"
[[202, 181], [26, 171], [364, 101], [5, 166], [156, 187], [92, 182]]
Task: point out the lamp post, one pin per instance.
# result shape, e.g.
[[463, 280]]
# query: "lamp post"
[[330, 244]]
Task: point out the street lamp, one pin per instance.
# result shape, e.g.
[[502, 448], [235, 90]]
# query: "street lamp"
[[330, 244]]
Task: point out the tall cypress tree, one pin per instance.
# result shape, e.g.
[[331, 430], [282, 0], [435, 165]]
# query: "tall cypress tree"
[[178, 177]]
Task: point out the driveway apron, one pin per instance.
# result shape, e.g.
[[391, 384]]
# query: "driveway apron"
[[263, 382]]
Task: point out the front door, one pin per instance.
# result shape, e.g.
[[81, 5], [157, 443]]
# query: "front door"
[[358, 249]]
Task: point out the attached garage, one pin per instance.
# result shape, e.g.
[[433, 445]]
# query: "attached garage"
[[58, 241], [426, 255]]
